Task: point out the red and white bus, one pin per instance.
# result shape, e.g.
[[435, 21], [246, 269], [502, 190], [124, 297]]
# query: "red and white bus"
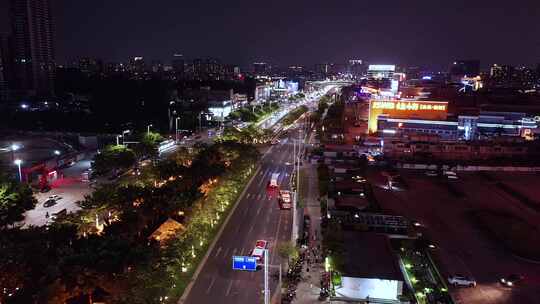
[[285, 199]]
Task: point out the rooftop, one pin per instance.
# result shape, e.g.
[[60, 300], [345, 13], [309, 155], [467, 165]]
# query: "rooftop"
[[369, 255]]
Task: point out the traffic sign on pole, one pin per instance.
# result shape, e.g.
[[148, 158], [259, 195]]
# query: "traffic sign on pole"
[[245, 263]]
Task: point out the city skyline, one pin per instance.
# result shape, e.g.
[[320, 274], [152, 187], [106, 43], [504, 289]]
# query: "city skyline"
[[425, 34]]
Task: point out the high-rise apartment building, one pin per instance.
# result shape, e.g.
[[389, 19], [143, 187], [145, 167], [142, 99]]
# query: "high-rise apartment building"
[[33, 47], [355, 67], [501, 73], [178, 65], [5, 71], [260, 69]]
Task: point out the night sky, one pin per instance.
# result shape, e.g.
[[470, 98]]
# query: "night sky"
[[430, 33]]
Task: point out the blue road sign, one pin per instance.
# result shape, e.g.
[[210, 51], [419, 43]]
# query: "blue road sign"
[[245, 263]]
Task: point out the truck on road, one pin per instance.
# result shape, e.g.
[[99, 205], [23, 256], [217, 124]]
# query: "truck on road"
[[274, 180]]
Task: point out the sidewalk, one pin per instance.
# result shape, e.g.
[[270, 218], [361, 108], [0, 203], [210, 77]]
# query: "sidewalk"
[[308, 289]]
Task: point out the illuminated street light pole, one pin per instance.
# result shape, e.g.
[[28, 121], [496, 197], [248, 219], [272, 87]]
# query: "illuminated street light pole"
[[148, 129], [266, 287], [176, 122], [117, 140], [124, 136], [295, 198], [14, 147], [18, 162]]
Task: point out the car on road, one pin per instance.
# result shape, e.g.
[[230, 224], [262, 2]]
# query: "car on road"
[[459, 280], [258, 251], [431, 173], [263, 244], [49, 203], [450, 175], [511, 280]]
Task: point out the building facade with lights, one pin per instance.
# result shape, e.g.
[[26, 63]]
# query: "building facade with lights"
[[381, 71], [393, 117]]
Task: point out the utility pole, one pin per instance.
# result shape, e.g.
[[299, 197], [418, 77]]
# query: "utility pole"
[[176, 120], [266, 287], [294, 229], [200, 122]]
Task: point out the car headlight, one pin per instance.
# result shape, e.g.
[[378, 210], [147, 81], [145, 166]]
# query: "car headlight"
[[503, 280], [509, 283]]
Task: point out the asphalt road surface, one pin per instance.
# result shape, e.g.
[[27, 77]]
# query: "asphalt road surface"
[[256, 217]]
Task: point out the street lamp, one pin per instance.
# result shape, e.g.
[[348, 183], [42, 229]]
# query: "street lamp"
[[14, 147], [18, 162], [56, 152], [117, 140], [176, 122], [148, 129]]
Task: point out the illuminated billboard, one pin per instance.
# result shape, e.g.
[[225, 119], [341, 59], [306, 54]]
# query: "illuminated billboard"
[[427, 110], [382, 67]]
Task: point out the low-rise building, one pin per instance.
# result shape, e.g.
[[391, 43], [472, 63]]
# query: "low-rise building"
[[432, 147], [372, 273]]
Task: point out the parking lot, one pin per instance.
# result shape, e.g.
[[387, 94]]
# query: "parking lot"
[[444, 208], [69, 187]]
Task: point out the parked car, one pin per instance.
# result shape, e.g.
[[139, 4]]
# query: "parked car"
[[58, 214], [450, 175], [55, 197], [432, 173], [459, 280], [511, 280], [49, 203]]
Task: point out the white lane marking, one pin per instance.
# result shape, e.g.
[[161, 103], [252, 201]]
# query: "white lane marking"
[[262, 177], [259, 210], [225, 252], [218, 251], [248, 195], [211, 284], [229, 288], [276, 237]]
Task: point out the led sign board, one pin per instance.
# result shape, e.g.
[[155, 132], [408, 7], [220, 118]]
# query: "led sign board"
[[424, 110]]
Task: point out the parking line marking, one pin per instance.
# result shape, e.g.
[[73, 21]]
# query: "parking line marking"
[[229, 288], [211, 284], [217, 252]]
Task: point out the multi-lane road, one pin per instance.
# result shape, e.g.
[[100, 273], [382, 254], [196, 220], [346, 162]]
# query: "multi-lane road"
[[257, 216]]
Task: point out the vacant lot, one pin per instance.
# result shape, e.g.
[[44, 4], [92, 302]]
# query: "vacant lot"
[[464, 245], [518, 236]]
